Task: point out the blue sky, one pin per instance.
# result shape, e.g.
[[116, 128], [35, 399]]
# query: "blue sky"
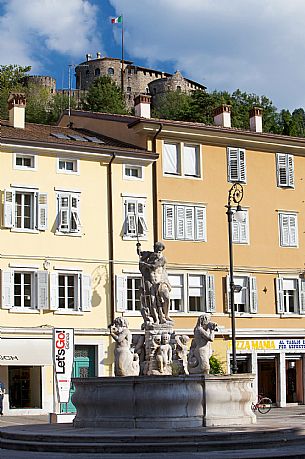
[[254, 45]]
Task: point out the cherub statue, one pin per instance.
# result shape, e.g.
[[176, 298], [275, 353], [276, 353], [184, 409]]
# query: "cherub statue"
[[126, 362], [201, 349], [182, 350], [164, 355]]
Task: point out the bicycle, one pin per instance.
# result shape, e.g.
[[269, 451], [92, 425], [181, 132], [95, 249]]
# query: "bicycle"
[[263, 405]]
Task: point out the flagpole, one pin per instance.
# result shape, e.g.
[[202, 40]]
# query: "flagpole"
[[122, 69]]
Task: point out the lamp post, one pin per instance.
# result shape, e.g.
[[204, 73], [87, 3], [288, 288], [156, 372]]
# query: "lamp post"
[[234, 198]]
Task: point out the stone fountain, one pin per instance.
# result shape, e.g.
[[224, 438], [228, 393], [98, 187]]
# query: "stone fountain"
[[172, 387]]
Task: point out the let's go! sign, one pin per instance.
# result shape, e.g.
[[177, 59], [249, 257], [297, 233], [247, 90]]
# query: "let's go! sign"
[[63, 352]]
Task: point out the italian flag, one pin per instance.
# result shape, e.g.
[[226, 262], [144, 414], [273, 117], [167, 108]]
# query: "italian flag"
[[117, 20]]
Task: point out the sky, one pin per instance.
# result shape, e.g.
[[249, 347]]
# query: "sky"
[[257, 46]]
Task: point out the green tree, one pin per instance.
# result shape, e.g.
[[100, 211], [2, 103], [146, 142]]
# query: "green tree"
[[216, 366], [105, 96], [11, 79], [59, 103], [172, 105], [38, 104]]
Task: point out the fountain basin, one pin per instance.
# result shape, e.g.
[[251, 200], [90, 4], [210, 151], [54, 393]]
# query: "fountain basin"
[[156, 402]]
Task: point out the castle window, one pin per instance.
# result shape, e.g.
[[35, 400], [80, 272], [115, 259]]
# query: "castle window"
[[178, 88], [97, 72], [110, 71], [128, 89]]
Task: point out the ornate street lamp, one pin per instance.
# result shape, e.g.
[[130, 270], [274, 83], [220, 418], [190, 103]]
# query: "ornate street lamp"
[[234, 198]]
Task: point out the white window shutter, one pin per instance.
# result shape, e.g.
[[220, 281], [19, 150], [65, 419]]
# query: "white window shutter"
[[228, 299], [293, 230], [121, 293], [9, 209], [200, 223], [290, 165], [279, 295], [189, 223], [142, 226], [242, 165], [42, 211], [53, 291], [7, 279], [170, 158], [42, 278], [210, 293], [301, 287], [284, 230], [232, 158], [235, 230], [86, 292], [168, 222], [74, 207], [253, 295], [180, 222], [63, 213], [281, 169]]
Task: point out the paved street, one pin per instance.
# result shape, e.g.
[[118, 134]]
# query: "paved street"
[[278, 418]]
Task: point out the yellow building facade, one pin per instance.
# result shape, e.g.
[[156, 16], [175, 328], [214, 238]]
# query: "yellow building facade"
[[196, 168], [64, 196]]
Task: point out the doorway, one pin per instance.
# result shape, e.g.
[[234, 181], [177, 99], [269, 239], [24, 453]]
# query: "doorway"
[[24, 387], [294, 383], [266, 375]]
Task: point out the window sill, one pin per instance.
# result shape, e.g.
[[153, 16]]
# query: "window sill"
[[291, 315], [185, 240], [24, 168], [58, 233], [134, 238], [66, 312], [23, 230], [67, 172], [24, 311], [180, 176]]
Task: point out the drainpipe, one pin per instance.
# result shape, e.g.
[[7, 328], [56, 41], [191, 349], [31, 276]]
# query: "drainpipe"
[[111, 243], [155, 186]]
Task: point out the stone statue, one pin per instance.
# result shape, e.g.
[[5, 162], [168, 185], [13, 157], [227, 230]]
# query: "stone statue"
[[201, 349], [182, 350], [126, 362], [163, 355], [155, 294]]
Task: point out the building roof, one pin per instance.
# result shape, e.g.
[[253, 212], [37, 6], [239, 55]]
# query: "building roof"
[[67, 138]]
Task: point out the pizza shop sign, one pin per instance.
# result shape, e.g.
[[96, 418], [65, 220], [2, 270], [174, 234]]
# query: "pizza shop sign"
[[63, 351], [268, 344]]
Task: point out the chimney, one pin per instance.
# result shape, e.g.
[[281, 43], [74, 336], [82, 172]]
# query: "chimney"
[[88, 57], [222, 116], [256, 119], [16, 110], [142, 105], [98, 55]]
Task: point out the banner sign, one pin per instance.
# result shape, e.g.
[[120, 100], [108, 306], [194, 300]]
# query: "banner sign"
[[63, 346], [268, 344]]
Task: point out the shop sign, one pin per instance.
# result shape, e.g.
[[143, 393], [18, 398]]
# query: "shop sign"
[[268, 344], [63, 346], [31, 351]]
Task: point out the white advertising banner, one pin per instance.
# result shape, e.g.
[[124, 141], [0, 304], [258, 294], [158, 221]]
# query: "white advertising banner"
[[63, 346], [289, 344], [31, 351]]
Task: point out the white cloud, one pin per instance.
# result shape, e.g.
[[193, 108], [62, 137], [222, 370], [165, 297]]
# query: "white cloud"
[[255, 45], [31, 29]]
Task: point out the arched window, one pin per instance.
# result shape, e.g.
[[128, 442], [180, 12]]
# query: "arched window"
[[178, 88], [128, 89], [110, 71], [97, 72]]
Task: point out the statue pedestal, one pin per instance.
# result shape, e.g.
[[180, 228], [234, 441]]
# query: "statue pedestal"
[[153, 338], [156, 402]]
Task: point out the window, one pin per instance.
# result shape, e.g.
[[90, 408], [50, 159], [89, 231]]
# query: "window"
[[25, 289], [70, 291], [288, 224], [68, 217], [245, 294], [97, 72], [24, 161], [290, 295], [68, 166], [135, 221], [110, 71], [25, 210], [236, 165], [190, 292], [184, 222], [181, 159], [128, 89], [240, 229], [132, 172], [285, 170]]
